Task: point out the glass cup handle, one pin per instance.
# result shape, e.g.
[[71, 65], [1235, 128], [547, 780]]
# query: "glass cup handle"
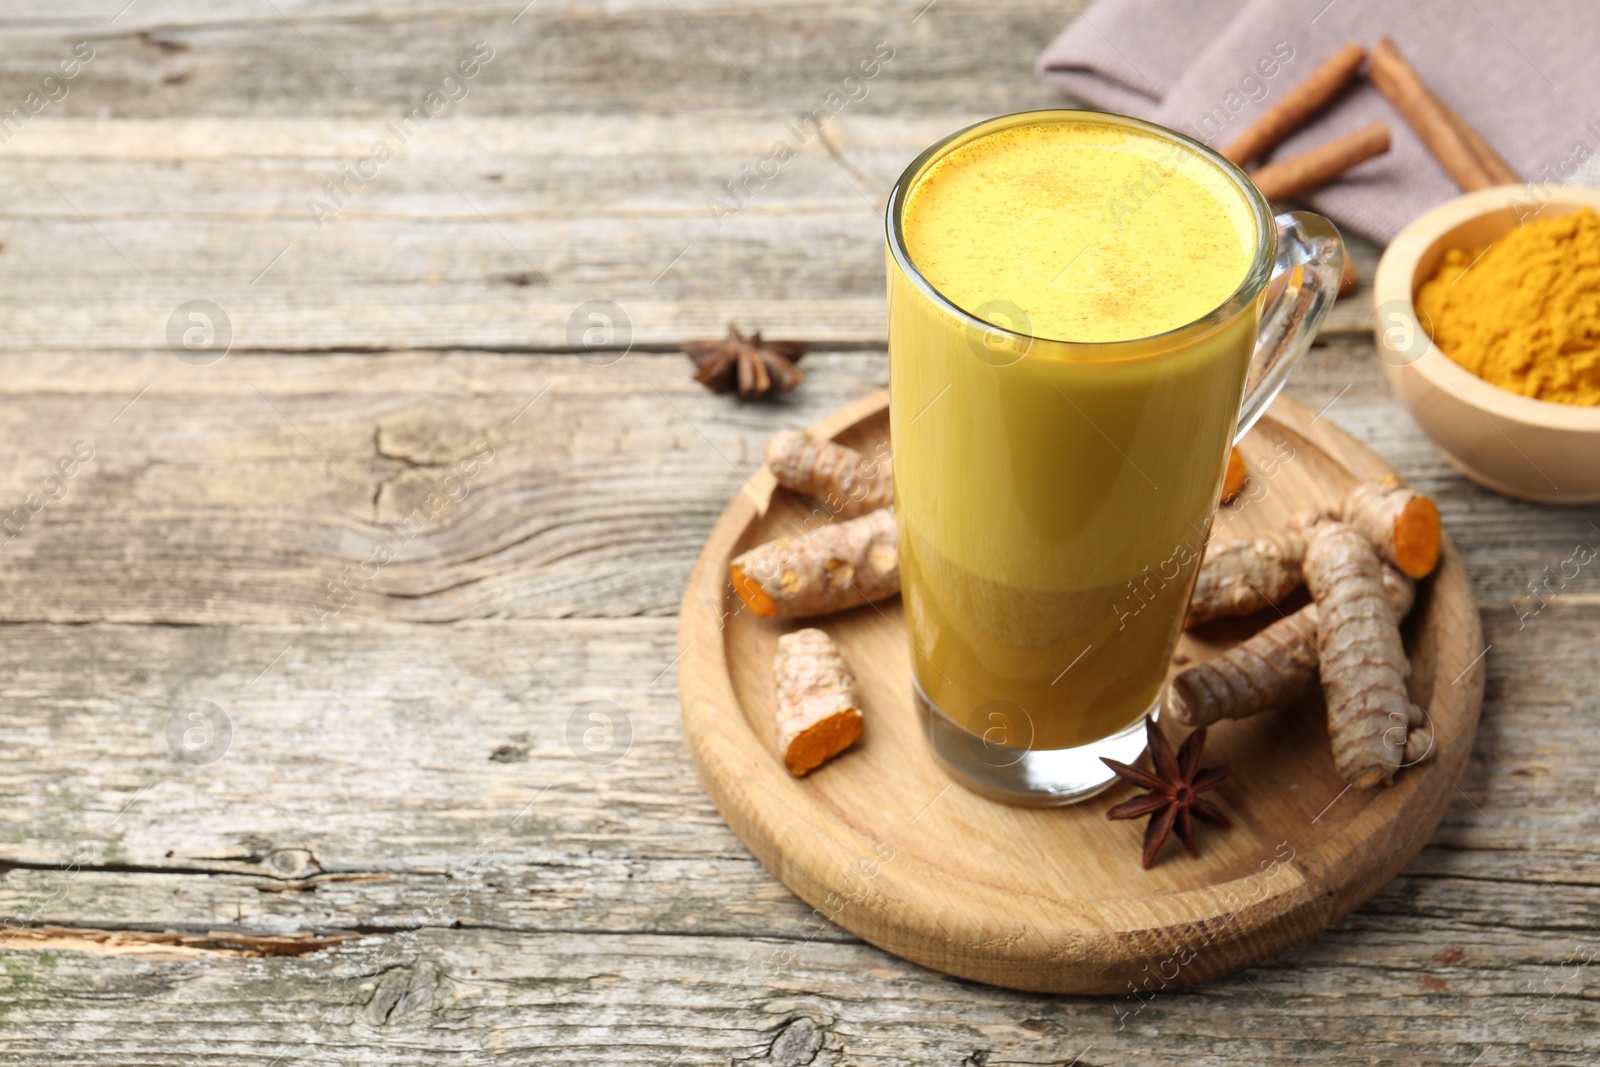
[[1306, 277]]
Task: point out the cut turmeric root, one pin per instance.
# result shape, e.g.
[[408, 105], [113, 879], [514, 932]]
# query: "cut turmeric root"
[[1399, 521], [840, 565], [1360, 574], [1363, 663], [1243, 576], [818, 715], [839, 476], [1273, 669], [1233, 480]]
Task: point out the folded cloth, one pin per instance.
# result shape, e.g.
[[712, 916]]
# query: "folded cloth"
[[1525, 76]]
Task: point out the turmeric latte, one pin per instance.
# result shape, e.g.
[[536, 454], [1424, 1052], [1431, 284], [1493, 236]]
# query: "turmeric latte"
[[1053, 507], [1524, 313], [1095, 232]]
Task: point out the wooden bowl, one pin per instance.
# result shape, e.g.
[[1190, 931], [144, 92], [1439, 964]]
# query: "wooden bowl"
[[1533, 449]]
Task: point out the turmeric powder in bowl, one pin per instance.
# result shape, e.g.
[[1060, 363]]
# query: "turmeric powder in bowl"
[[1523, 313]]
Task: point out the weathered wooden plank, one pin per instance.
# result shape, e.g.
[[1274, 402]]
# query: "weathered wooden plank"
[[363, 782], [592, 502], [691, 122], [480, 232], [589, 998], [461, 240], [695, 896], [237, 492], [379, 773], [235, 57], [375, 771]]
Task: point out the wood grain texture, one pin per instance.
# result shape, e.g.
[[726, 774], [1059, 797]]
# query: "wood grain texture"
[[243, 58], [234, 115], [207, 504], [662, 897], [488, 996], [504, 229], [622, 927], [1037, 899]]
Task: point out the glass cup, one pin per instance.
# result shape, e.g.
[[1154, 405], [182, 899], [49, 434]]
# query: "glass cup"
[[1054, 498]]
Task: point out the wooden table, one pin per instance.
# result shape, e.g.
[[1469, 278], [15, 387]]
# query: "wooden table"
[[439, 800]]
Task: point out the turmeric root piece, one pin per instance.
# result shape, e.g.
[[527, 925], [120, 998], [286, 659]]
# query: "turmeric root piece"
[[1419, 745], [1233, 481], [838, 566], [1364, 665], [835, 474], [818, 715], [1273, 669], [1243, 576], [1401, 522]]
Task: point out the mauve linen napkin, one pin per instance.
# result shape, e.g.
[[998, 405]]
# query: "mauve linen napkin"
[[1526, 76]]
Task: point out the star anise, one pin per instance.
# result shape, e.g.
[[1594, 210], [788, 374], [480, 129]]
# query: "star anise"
[[1175, 788], [750, 364]]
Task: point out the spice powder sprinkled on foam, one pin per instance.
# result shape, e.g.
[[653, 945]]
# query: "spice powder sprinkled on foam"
[[1095, 232]]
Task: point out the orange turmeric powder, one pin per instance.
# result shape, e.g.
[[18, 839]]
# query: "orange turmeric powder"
[[1523, 313]]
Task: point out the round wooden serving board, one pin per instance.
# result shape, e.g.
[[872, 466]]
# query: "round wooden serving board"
[[880, 842]]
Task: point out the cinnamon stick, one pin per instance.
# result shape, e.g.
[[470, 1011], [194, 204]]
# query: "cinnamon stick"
[[1437, 126], [1498, 169], [1315, 168], [1298, 105]]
